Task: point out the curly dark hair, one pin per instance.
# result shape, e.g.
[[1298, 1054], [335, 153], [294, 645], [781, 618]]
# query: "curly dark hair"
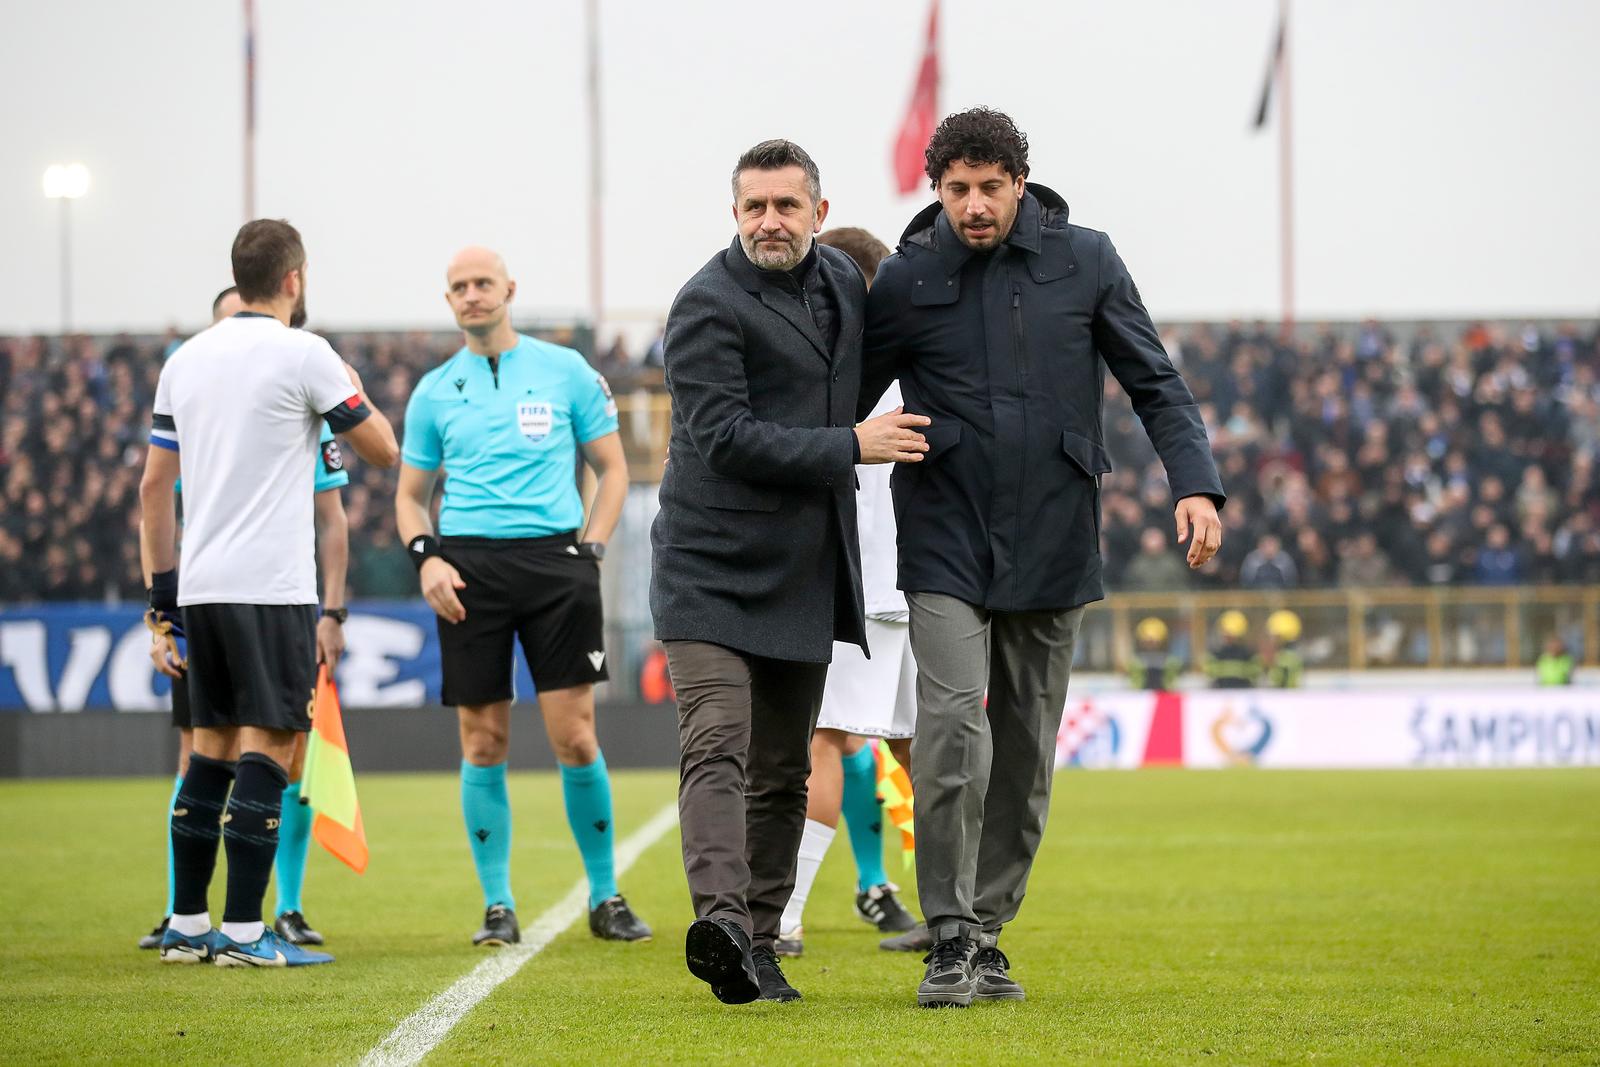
[[976, 136]]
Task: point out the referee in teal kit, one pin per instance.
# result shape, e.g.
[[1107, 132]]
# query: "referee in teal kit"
[[505, 418]]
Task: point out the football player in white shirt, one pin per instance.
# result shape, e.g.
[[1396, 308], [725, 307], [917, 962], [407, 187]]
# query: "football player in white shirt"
[[237, 414], [333, 547]]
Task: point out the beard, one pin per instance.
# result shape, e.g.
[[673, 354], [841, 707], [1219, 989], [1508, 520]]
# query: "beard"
[[297, 317], [775, 257]]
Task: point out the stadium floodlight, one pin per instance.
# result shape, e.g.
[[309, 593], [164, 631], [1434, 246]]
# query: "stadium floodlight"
[[66, 182]]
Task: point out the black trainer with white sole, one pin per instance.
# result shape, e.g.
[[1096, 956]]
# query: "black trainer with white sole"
[[499, 928], [293, 928], [881, 908], [791, 944], [718, 953]]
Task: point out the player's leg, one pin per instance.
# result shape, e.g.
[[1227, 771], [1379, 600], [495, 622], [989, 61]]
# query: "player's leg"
[[866, 690], [824, 788], [1027, 693], [202, 796], [272, 655], [294, 840], [180, 721], [562, 629], [196, 834]]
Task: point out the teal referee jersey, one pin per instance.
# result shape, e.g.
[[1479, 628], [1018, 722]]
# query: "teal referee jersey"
[[506, 430]]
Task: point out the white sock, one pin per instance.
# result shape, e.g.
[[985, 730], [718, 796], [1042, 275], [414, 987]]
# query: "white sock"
[[244, 933], [813, 846], [191, 925]]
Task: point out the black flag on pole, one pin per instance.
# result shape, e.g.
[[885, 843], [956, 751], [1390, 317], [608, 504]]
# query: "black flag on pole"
[[1273, 63]]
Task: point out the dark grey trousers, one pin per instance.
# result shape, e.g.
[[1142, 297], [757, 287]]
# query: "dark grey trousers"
[[744, 731], [981, 776]]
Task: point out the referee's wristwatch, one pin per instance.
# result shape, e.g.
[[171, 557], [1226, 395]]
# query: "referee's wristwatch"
[[338, 615], [595, 550]]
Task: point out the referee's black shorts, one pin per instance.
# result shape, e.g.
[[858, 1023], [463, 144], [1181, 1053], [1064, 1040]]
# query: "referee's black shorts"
[[535, 589], [251, 665]]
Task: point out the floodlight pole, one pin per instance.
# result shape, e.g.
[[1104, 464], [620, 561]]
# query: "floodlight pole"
[[1285, 178], [66, 265]]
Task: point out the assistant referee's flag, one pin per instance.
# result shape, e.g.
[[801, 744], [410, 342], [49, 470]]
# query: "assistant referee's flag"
[[329, 782]]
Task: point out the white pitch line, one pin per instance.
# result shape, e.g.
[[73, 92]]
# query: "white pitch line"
[[418, 1034]]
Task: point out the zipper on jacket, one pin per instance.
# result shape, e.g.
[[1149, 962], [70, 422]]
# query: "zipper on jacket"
[[1019, 357], [494, 369]]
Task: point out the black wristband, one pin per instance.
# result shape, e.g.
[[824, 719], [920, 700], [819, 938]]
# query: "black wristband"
[[338, 615], [422, 548], [164, 590]]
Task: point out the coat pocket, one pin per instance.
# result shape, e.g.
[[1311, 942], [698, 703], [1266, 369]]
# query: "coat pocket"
[[1090, 457], [738, 496], [943, 434]]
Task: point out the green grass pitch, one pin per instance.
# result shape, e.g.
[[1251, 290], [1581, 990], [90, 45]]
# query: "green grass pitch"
[[1174, 917]]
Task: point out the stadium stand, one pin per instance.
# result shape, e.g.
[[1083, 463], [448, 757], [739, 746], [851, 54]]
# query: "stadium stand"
[[1353, 458]]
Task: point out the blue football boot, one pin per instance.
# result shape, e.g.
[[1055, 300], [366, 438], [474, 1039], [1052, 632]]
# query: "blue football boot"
[[181, 948], [268, 950]]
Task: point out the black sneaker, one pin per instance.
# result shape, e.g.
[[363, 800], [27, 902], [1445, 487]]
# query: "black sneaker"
[[918, 940], [718, 953], [153, 938], [769, 976], [879, 907], [613, 920], [948, 980], [499, 927], [990, 980], [293, 928], [791, 943]]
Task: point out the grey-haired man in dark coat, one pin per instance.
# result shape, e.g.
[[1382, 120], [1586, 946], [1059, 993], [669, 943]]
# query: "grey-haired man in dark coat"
[[1000, 319], [757, 569]]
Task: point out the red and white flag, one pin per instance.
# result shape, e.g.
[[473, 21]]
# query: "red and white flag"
[[922, 114]]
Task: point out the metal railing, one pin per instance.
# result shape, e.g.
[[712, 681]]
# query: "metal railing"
[[1367, 629]]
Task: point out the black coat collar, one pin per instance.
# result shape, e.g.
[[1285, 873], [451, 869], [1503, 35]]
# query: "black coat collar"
[[776, 291]]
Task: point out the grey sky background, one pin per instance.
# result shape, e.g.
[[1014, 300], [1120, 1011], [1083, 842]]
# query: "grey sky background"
[[1447, 152]]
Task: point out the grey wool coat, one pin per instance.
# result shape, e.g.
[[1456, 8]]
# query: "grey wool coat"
[[755, 544]]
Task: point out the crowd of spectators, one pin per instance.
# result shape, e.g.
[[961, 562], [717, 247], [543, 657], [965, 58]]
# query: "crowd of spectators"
[[1357, 459], [1350, 458]]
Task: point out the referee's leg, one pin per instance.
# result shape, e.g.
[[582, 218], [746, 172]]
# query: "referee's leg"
[[486, 805]]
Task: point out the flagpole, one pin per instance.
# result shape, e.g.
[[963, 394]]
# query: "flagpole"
[[596, 163], [1285, 177], [249, 110]]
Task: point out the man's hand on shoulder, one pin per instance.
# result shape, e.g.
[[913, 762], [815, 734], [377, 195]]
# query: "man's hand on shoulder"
[[893, 438], [1199, 515]]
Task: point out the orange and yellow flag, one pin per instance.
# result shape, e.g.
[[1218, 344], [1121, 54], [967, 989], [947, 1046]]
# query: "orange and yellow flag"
[[329, 781], [894, 790]]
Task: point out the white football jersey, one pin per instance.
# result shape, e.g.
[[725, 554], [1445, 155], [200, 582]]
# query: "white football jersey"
[[242, 404]]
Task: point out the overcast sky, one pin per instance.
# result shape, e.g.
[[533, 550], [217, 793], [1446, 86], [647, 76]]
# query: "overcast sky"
[[1447, 151]]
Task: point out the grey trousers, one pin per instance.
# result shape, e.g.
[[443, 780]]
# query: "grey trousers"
[[744, 732], [981, 776]]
